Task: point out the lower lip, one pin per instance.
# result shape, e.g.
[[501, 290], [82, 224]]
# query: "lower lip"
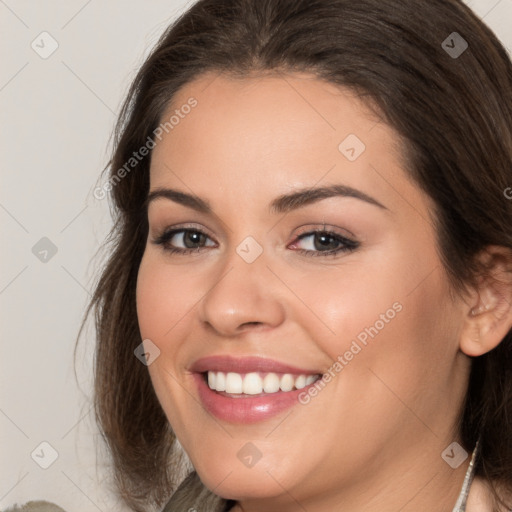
[[246, 409]]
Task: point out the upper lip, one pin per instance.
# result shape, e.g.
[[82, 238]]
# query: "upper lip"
[[248, 364]]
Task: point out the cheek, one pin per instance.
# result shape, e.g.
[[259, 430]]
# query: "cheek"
[[162, 305], [408, 345], [393, 317], [355, 302], [162, 299], [391, 342]]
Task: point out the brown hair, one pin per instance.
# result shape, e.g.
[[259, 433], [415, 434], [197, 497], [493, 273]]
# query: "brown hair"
[[454, 114]]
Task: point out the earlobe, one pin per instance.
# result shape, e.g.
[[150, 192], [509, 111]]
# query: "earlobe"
[[488, 317]]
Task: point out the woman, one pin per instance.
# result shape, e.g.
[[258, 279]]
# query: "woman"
[[236, 372]]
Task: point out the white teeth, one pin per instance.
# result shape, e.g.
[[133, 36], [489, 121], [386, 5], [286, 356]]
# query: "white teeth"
[[252, 384], [310, 379], [255, 383], [271, 383], [300, 382], [287, 382], [233, 383], [220, 381], [212, 380]]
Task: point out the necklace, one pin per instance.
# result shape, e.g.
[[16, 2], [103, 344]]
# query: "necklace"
[[460, 506]]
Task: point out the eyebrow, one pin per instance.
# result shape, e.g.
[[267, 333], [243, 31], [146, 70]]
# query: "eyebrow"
[[282, 204]]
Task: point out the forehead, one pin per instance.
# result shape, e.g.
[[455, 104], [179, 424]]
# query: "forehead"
[[279, 132], [264, 113]]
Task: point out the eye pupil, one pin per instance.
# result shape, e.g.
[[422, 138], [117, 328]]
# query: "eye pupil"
[[325, 240], [193, 237]]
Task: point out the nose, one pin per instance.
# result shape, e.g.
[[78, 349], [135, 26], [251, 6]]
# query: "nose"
[[242, 296]]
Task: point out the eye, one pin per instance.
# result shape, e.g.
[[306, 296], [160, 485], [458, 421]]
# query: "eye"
[[324, 243], [320, 242], [191, 240]]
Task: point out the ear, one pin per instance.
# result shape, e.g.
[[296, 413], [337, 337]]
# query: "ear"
[[488, 313]]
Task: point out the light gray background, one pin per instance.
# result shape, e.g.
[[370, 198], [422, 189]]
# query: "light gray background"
[[57, 118]]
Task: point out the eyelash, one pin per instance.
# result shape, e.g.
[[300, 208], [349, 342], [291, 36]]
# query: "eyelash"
[[348, 245]]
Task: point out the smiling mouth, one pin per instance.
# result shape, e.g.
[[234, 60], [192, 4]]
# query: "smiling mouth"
[[240, 385]]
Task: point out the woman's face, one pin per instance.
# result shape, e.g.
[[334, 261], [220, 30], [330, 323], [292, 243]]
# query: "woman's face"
[[259, 297]]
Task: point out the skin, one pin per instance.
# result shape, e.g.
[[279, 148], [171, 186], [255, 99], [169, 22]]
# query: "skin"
[[372, 439]]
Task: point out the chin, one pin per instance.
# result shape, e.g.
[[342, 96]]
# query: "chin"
[[236, 482]]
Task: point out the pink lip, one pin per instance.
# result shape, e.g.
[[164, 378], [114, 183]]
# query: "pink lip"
[[246, 409], [246, 365]]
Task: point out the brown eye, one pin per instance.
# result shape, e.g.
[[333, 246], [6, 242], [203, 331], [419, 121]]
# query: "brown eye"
[[324, 243], [189, 239]]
